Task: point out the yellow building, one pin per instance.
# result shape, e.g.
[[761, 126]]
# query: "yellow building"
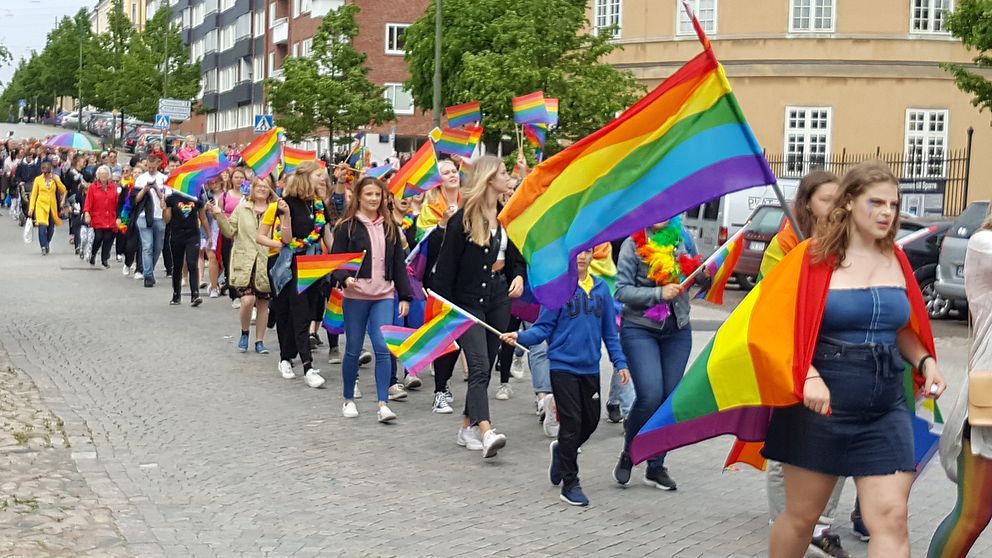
[[827, 81], [133, 9]]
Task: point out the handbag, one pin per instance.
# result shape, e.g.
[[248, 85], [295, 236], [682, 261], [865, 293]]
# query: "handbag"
[[28, 231], [979, 394]]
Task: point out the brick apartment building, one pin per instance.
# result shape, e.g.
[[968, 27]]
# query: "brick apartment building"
[[240, 43]]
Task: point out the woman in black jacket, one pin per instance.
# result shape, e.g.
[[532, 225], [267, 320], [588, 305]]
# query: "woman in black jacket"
[[480, 270], [367, 226]]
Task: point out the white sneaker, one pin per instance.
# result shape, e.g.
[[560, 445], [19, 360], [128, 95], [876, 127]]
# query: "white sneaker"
[[349, 409], [469, 438], [412, 382], [517, 367], [236, 304], [441, 406], [254, 315], [126, 271], [313, 378], [504, 392], [448, 396], [286, 369], [550, 417], [358, 392], [138, 277], [539, 407], [492, 442], [214, 293], [385, 415], [396, 392]]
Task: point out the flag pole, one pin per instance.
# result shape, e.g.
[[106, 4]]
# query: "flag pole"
[[788, 212], [491, 329], [688, 280]]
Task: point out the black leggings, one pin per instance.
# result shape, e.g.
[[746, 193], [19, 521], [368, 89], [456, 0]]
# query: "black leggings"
[[226, 247], [103, 239], [132, 247], [293, 316], [480, 348], [506, 352], [185, 245]]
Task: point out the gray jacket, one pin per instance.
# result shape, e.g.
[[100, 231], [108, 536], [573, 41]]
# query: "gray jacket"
[[637, 293]]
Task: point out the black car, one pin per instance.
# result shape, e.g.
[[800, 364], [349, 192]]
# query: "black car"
[[921, 238]]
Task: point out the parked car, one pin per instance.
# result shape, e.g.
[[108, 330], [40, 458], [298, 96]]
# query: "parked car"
[[713, 222], [921, 238], [766, 221], [131, 137], [950, 267], [145, 141]]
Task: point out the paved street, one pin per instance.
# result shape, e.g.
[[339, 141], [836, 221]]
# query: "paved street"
[[200, 451]]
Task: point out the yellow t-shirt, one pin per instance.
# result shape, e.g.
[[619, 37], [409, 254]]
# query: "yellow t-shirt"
[[270, 218]]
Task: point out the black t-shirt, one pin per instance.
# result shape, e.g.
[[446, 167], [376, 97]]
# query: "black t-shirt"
[[185, 213], [301, 215]]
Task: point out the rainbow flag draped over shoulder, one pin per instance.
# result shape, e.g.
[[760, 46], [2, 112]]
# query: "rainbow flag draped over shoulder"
[[686, 142], [779, 246], [262, 154], [417, 348], [292, 157], [310, 269], [188, 178], [418, 175], [454, 141], [758, 359], [720, 266], [467, 113], [333, 320], [530, 109]]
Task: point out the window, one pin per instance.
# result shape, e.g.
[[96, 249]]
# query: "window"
[[242, 27], [196, 51], [296, 49], [245, 116], [927, 16], [226, 38], [272, 63], [259, 23], [606, 14], [399, 98], [198, 12], [811, 15], [226, 78], [211, 81], [394, 37], [226, 4], [210, 6], [272, 14], [212, 123], [807, 138], [210, 41], [926, 142], [705, 13], [258, 68], [306, 48], [134, 12], [244, 70]]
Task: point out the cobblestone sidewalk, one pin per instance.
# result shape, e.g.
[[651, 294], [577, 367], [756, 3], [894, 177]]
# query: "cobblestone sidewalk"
[[46, 507]]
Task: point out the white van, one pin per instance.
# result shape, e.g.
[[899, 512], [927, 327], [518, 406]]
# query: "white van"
[[713, 222]]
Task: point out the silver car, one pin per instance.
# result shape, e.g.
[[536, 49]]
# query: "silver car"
[[950, 267]]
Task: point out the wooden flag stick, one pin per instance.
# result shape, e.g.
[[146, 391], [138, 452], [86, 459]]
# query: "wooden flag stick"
[[491, 329]]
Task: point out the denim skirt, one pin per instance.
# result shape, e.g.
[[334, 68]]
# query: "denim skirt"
[[869, 430]]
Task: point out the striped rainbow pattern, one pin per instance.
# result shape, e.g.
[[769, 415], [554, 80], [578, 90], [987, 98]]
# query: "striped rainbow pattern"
[[684, 143], [292, 157], [721, 266], [379, 172], [958, 532], [262, 154], [310, 269], [419, 174], [454, 141], [476, 132], [551, 105], [188, 178], [333, 320], [529, 108], [536, 134], [467, 113], [417, 348]]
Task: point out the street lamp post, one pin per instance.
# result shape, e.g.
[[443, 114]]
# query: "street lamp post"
[[79, 80], [437, 64]]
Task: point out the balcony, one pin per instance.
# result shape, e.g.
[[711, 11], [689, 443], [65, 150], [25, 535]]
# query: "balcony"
[[280, 31], [320, 8]]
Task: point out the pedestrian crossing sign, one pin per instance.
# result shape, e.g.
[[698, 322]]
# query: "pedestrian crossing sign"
[[263, 123], [162, 121]]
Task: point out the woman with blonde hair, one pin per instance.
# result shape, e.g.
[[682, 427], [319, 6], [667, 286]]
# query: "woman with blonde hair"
[[480, 270], [188, 150], [442, 202], [229, 200], [248, 270]]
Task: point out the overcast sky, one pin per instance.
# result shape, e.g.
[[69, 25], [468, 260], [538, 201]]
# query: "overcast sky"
[[24, 24]]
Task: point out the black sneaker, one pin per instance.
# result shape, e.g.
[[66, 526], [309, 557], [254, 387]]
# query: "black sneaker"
[[92, 260], [175, 300], [860, 529], [613, 412], [829, 545], [106, 265], [621, 473], [196, 301], [315, 341], [149, 283], [364, 358], [554, 474], [658, 478]]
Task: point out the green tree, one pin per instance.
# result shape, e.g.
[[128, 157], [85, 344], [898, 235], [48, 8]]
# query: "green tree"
[[330, 88], [494, 50], [59, 61], [970, 22], [103, 75]]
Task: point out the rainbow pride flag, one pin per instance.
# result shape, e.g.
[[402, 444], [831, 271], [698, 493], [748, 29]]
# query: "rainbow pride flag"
[[188, 178], [721, 266], [333, 320], [417, 348], [551, 105], [467, 113], [310, 269], [536, 135], [419, 174], [476, 132], [684, 143], [530, 109], [454, 141], [378, 172], [262, 154], [292, 157], [779, 246]]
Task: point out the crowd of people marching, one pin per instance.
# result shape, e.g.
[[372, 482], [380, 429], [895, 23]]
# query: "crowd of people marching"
[[239, 237]]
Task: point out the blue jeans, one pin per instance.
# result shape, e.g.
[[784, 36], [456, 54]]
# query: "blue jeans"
[[540, 366], [657, 360], [45, 234], [361, 316], [152, 240], [621, 394]]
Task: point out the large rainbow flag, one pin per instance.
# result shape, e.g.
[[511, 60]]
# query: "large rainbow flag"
[[262, 154], [419, 174], [292, 157], [310, 269], [686, 142], [333, 320], [720, 266], [417, 348], [188, 178]]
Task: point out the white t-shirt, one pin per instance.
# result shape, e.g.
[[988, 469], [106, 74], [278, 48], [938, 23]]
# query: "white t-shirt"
[[158, 182]]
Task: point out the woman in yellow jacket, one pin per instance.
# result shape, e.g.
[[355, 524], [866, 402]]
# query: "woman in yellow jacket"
[[47, 201]]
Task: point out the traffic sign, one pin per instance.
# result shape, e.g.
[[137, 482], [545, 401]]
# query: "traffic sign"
[[23, 103], [176, 109], [162, 121], [263, 123]]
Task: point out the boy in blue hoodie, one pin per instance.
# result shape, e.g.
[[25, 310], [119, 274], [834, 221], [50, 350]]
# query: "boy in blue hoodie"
[[575, 332]]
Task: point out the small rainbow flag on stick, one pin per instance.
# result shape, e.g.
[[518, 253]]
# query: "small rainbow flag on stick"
[[419, 174], [530, 109], [292, 157], [476, 132], [454, 141], [262, 154], [721, 265], [378, 172], [417, 348], [460, 115], [551, 105], [188, 178], [536, 134], [310, 269], [333, 320]]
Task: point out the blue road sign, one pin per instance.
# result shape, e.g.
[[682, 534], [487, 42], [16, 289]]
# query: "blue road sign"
[[263, 123], [162, 121]]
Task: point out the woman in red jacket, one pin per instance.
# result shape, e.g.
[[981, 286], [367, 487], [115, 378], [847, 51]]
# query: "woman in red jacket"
[[100, 213]]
